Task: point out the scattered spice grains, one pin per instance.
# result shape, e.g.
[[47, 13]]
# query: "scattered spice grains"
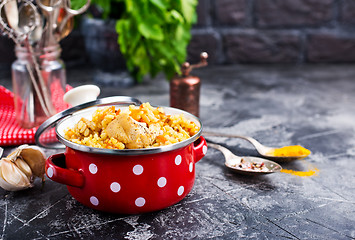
[[260, 167], [310, 172]]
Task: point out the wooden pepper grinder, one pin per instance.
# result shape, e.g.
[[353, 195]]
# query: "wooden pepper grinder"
[[185, 89]]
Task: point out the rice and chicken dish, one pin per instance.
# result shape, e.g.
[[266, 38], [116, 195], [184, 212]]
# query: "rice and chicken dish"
[[134, 127]]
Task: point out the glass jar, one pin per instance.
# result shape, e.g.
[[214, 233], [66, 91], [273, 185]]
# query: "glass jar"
[[38, 81]]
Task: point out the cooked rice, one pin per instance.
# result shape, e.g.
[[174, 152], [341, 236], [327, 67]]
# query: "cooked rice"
[[173, 128]]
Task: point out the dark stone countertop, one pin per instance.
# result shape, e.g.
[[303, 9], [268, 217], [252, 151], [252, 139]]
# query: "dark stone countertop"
[[313, 106]]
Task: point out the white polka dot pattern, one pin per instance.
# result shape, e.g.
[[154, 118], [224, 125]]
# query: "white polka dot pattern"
[[50, 172], [94, 201], [204, 150], [191, 166], [93, 168], [140, 202], [162, 182], [180, 190], [115, 187], [178, 159], [138, 169]]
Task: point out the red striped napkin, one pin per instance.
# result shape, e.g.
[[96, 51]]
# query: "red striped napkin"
[[10, 131]]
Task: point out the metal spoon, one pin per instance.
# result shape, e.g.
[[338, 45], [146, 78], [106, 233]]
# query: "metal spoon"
[[27, 17], [11, 11], [262, 149], [29, 21], [67, 29], [50, 9], [243, 164]]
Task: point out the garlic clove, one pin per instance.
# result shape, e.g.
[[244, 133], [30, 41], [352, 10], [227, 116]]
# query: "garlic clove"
[[11, 177], [15, 154], [20, 167], [24, 167], [35, 158], [7, 186]]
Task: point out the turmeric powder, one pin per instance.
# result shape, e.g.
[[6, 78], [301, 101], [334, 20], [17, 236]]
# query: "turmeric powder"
[[289, 151], [301, 173], [312, 170]]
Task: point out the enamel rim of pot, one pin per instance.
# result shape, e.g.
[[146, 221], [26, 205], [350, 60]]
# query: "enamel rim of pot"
[[51, 122], [60, 119]]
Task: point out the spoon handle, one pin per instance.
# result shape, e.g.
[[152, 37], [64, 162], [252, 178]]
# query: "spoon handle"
[[214, 134], [226, 152], [256, 144]]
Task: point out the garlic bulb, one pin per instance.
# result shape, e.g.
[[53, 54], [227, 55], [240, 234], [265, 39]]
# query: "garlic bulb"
[[19, 169], [13, 177]]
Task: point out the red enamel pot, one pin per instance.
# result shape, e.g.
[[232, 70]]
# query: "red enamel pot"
[[128, 181]]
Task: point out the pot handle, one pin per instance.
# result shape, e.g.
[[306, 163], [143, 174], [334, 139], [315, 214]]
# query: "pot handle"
[[200, 148], [56, 170]]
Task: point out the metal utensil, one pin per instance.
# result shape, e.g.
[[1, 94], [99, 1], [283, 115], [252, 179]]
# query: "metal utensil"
[[11, 12], [262, 149], [9, 22], [20, 34], [70, 13], [246, 165], [58, 14], [27, 17], [50, 9], [1, 151], [29, 104], [68, 28]]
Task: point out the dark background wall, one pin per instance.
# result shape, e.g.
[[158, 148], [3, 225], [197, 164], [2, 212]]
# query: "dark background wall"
[[253, 31], [273, 31]]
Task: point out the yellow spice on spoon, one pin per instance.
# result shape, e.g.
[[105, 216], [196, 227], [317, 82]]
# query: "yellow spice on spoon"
[[289, 151]]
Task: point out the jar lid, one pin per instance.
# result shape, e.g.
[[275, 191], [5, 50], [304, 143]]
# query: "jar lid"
[[47, 127]]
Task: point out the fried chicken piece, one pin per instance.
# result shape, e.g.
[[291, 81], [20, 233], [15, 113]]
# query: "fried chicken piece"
[[132, 133]]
